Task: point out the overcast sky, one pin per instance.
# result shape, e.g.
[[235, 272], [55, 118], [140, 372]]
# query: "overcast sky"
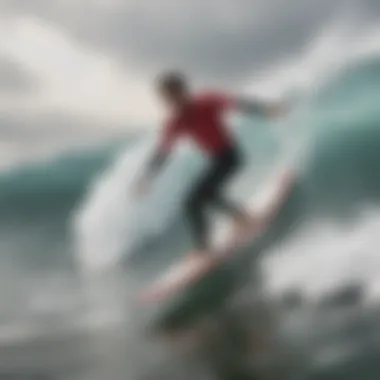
[[73, 66]]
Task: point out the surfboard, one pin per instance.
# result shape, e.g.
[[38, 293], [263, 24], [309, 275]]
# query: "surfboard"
[[189, 270]]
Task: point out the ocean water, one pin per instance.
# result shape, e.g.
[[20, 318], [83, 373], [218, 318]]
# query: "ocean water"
[[76, 245]]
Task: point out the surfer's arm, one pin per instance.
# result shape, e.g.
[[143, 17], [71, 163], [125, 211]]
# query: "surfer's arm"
[[250, 106], [258, 107], [166, 143], [159, 157]]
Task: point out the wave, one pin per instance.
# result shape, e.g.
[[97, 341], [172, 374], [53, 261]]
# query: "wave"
[[86, 196], [336, 182], [337, 125], [339, 163], [82, 203], [43, 186]]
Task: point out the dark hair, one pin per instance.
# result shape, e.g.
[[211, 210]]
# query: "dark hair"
[[174, 82]]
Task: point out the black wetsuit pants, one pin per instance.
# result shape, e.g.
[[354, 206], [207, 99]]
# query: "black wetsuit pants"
[[208, 192]]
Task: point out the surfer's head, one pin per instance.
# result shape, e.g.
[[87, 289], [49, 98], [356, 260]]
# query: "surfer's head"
[[173, 89]]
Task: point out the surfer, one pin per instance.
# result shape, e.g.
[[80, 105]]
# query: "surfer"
[[200, 117]]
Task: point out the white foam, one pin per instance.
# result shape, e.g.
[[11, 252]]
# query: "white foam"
[[323, 256]]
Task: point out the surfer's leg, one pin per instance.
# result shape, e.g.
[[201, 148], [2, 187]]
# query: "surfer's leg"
[[225, 167], [195, 210], [207, 192]]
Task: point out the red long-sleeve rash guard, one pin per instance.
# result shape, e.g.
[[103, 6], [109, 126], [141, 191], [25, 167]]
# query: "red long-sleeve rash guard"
[[201, 121]]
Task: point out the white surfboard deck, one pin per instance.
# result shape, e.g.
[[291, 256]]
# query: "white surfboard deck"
[[188, 270]]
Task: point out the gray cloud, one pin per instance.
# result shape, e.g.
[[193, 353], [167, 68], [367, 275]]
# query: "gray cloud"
[[43, 127], [215, 40], [14, 79], [222, 40]]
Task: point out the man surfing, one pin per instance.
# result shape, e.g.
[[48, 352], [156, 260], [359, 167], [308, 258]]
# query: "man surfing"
[[200, 117]]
